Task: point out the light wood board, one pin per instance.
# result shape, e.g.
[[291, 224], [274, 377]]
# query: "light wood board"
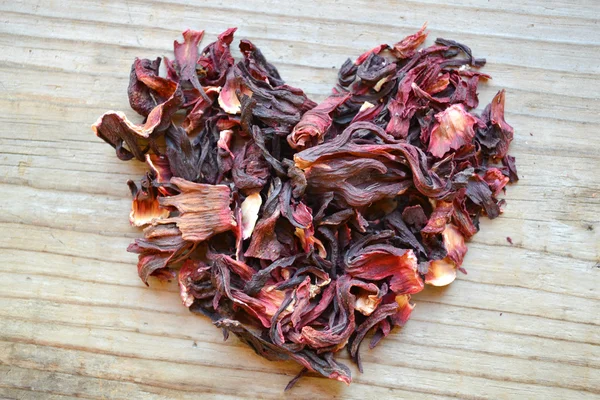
[[76, 321]]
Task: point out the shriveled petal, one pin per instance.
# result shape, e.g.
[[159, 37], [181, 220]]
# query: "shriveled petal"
[[161, 246], [140, 95], [191, 271], [406, 47], [264, 243], [146, 72], [216, 59], [497, 135], [478, 191], [195, 117], [453, 130], [441, 272], [314, 124], [186, 54], [509, 163], [367, 302], [497, 116], [438, 219], [375, 50], [228, 98], [204, 209], [309, 241], [250, 207], [379, 263], [455, 244], [336, 336], [496, 180], [145, 207], [367, 112], [115, 129], [160, 167], [263, 306], [460, 216], [405, 308]]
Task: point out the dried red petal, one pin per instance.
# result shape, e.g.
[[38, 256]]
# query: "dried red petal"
[[453, 130], [375, 50], [196, 117], [379, 262], [160, 167], [496, 180], [250, 207], [204, 209], [190, 272], [315, 123], [455, 244], [441, 272], [439, 218], [264, 244], [162, 246], [186, 54], [216, 59], [367, 301], [405, 308], [114, 128], [145, 207], [406, 47], [148, 74], [228, 98]]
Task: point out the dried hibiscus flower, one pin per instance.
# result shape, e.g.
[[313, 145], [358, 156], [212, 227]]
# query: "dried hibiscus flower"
[[300, 227]]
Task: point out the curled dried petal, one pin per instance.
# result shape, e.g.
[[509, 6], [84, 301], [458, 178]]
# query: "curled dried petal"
[[479, 193], [497, 119], [186, 54], [204, 209], [190, 272], [145, 207], [160, 167], [161, 246], [216, 59], [196, 116], [228, 98], [438, 219], [128, 138], [440, 272], [405, 308], [496, 180], [406, 47], [367, 302], [455, 244], [250, 207], [453, 130], [315, 123], [140, 95], [375, 50], [146, 71], [379, 262]]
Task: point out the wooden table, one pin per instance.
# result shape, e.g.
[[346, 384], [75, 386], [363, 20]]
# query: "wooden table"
[[75, 320]]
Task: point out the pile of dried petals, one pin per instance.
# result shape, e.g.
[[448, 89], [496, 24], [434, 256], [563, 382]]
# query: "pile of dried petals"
[[298, 226]]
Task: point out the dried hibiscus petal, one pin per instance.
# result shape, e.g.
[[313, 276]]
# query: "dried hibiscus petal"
[[302, 227], [145, 207], [453, 130], [313, 125], [250, 208], [128, 138], [204, 209]]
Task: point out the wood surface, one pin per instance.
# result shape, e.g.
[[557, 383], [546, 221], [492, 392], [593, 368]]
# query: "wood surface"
[[76, 321]]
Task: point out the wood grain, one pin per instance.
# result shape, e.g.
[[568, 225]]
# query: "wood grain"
[[75, 320]]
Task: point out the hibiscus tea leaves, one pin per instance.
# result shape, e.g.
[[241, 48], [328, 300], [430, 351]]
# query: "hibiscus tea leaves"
[[302, 227]]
